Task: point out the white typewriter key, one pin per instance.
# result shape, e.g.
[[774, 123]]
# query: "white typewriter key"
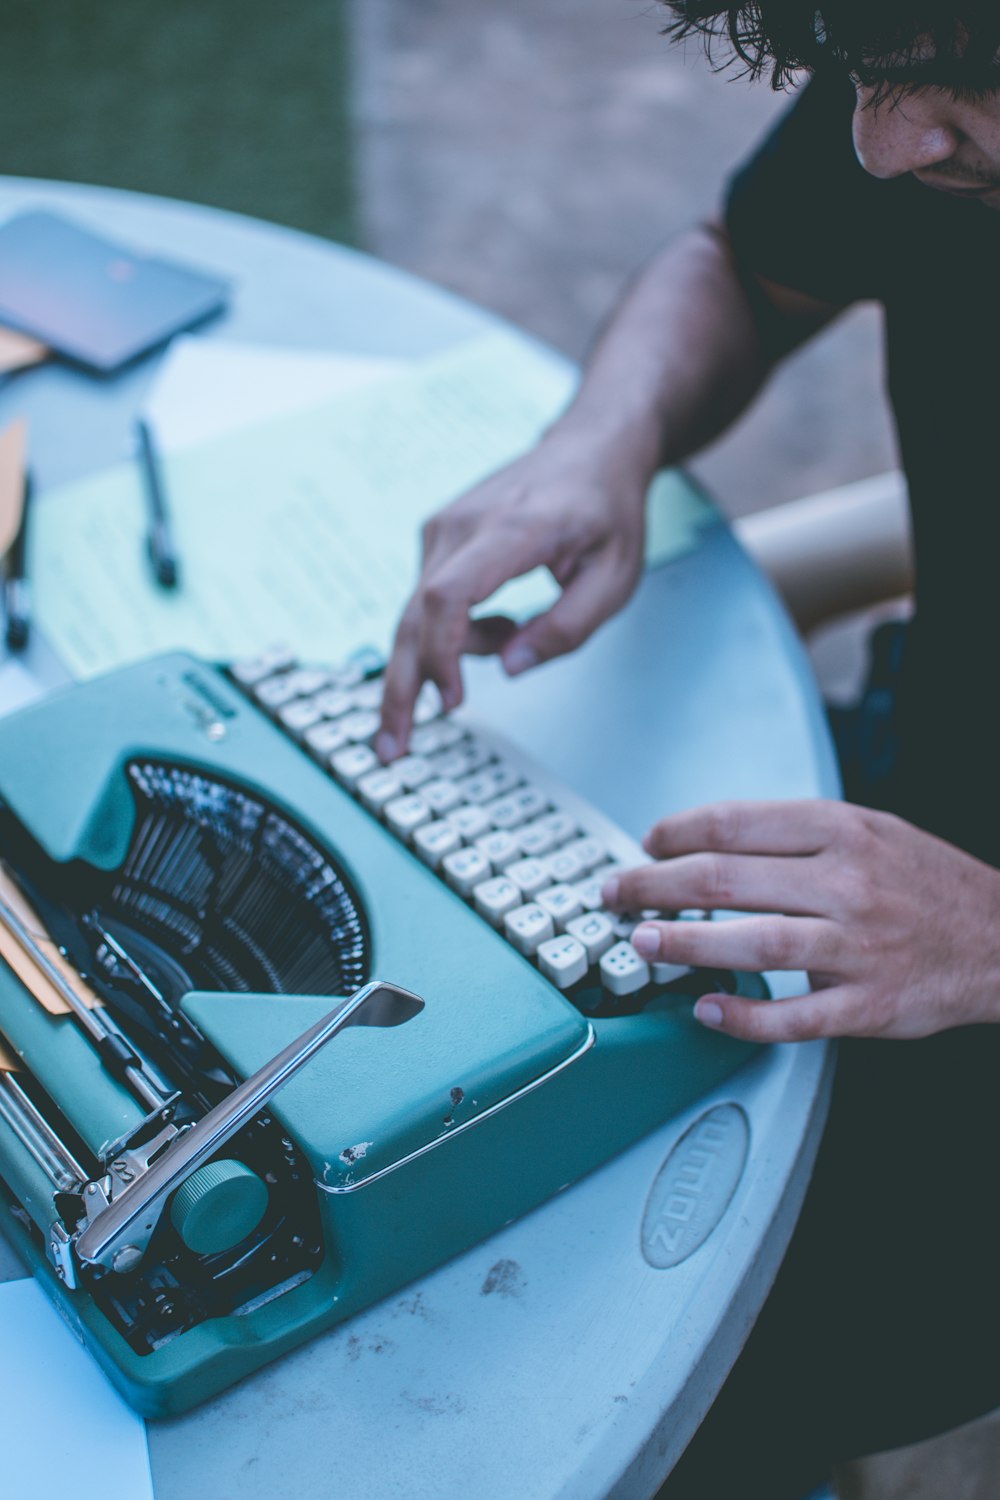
[[535, 840], [431, 739], [361, 725], [563, 960], [405, 815], [593, 929], [351, 764], [348, 676], [519, 806], [527, 926], [561, 826], [324, 738], [428, 704], [277, 691], [299, 715], [494, 898], [623, 971], [378, 788], [462, 760], [413, 770], [693, 914], [667, 973], [530, 874], [531, 801], [333, 702], [491, 782], [589, 890], [369, 694], [434, 840], [305, 681], [470, 821], [506, 812], [249, 673], [590, 852], [561, 902], [441, 795], [465, 869], [564, 866], [499, 848], [624, 923]]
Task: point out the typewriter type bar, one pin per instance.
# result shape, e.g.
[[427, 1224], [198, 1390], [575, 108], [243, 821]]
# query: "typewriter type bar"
[[121, 1058], [37, 1136]]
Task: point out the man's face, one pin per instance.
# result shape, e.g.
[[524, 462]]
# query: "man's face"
[[949, 143]]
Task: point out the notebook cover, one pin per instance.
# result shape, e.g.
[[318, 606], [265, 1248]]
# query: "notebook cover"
[[95, 301]]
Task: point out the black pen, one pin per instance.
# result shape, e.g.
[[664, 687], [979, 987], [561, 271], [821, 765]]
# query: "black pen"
[[15, 585], [159, 540]]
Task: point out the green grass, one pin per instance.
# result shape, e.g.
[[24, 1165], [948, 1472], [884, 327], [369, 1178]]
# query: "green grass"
[[237, 103]]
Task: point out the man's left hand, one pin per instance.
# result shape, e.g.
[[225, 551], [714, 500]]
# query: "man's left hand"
[[898, 931]]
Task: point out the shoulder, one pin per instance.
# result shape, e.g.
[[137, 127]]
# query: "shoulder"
[[802, 211]]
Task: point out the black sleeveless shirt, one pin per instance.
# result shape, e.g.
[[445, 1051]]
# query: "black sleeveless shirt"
[[805, 214]]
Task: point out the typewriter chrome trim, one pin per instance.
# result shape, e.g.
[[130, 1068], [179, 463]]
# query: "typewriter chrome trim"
[[457, 1130]]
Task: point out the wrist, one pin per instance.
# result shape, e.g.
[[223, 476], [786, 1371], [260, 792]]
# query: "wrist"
[[982, 967], [622, 447]]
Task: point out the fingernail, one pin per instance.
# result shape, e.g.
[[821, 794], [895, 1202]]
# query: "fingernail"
[[386, 746], [519, 659], [708, 1012], [646, 940], [609, 891]]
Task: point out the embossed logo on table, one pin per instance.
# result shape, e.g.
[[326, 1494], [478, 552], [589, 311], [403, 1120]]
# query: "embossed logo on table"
[[695, 1185]]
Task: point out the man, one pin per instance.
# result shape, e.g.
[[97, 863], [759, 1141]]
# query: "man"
[[882, 182]]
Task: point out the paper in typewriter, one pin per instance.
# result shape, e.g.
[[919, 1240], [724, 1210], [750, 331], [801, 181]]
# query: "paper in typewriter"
[[305, 529]]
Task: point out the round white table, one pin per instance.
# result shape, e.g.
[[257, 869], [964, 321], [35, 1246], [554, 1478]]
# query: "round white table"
[[553, 1360]]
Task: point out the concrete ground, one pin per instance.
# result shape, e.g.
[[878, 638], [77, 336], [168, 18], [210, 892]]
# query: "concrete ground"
[[529, 155]]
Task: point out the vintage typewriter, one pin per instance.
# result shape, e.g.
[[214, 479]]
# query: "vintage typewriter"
[[206, 878]]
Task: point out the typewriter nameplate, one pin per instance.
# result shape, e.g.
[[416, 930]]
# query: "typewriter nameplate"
[[695, 1186]]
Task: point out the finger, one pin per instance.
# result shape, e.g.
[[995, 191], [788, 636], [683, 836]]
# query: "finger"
[[451, 590], [752, 943], [488, 634], [595, 591], [722, 882], [806, 826], [803, 1018], [401, 684]]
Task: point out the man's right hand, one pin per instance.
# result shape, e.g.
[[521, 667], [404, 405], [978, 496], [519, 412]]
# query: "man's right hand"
[[570, 505]]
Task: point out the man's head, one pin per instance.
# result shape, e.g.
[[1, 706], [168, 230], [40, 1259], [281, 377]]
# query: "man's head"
[[926, 72]]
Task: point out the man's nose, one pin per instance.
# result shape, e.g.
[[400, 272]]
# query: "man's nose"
[[897, 135]]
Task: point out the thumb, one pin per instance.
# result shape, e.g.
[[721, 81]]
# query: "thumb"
[[586, 602]]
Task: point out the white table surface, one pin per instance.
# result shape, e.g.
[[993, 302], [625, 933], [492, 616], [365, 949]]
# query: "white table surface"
[[553, 1360]]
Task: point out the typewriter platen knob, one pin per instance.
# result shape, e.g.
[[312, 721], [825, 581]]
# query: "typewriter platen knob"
[[219, 1205]]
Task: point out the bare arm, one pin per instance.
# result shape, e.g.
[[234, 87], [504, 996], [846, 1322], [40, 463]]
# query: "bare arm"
[[683, 355], [687, 350]]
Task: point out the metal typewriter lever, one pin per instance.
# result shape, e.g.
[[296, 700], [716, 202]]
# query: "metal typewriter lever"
[[117, 1235]]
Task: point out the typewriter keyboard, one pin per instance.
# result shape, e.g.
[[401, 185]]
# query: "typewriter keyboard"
[[527, 853]]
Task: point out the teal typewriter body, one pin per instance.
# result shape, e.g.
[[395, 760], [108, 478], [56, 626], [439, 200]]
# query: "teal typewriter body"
[[200, 1174]]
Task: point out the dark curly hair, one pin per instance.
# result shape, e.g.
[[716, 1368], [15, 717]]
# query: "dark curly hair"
[[887, 43]]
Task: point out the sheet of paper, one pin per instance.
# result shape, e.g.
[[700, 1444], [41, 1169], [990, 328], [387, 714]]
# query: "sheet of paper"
[[67, 1432], [207, 387], [17, 686], [302, 530]]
